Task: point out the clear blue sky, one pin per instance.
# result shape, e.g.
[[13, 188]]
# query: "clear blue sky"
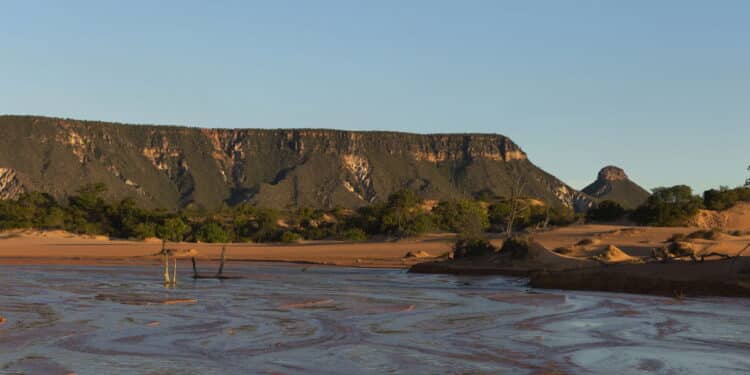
[[660, 88]]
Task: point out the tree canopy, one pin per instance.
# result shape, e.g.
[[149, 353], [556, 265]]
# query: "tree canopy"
[[668, 206]]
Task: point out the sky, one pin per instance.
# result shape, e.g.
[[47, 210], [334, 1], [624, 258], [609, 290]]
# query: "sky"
[[659, 88]]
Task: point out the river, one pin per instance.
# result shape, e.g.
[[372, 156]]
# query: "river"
[[289, 319]]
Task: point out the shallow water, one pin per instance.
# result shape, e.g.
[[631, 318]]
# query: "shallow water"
[[310, 319]]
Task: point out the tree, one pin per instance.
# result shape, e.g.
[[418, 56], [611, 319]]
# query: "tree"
[[173, 229], [212, 232], [516, 204], [606, 211], [144, 230], [124, 217], [672, 206], [31, 210], [88, 210], [725, 198], [747, 181], [461, 216], [265, 225], [403, 217]]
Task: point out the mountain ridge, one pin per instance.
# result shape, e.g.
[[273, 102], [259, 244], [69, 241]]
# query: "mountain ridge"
[[176, 166]]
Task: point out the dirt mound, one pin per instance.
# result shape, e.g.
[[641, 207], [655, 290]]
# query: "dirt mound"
[[589, 242], [565, 250], [531, 252], [735, 218], [613, 254], [418, 254], [47, 234]]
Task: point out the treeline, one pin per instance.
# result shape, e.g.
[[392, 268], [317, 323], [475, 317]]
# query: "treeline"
[[670, 206], [403, 214]]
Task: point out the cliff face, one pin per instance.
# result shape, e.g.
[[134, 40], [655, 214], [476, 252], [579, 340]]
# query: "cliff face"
[[172, 167], [613, 184]]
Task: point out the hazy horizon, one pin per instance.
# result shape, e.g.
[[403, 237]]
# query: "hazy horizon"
[[654, 88]]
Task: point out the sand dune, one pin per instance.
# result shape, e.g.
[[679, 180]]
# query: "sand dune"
[[734, 218]]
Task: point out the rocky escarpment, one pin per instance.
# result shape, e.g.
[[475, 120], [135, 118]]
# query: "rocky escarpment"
[[613, 184], [172, 167], [10, 186]]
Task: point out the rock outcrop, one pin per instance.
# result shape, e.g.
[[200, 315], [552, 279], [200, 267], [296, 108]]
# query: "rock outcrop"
[[10, 186], [613, 184]]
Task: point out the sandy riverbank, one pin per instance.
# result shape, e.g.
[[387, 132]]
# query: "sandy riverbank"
[[63, 248], [559, 260], [617, 259]]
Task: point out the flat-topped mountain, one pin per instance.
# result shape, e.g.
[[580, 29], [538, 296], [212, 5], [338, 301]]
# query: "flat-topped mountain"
[[613, 184], [172, 167]]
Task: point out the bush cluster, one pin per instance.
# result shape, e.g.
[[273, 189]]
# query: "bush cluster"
[[606, 211], [403, 214], [472, 247], [725, 198], [672, 206]]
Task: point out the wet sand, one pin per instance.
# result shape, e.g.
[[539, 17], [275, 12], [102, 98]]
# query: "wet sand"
[[62, 248]]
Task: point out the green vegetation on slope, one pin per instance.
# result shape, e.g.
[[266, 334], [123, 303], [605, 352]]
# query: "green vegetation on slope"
[[404, 214]]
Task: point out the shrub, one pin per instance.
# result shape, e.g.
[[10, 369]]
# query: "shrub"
[[473, 247], [353, 234], [290, 237], [606, 211], [516, 247]]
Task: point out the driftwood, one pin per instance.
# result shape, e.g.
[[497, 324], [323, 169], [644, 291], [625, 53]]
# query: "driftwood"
[[665, 254]]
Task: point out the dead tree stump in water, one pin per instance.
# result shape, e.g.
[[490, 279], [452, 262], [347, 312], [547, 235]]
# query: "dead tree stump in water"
[[221, 264], [165, 259], [219, 273]]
